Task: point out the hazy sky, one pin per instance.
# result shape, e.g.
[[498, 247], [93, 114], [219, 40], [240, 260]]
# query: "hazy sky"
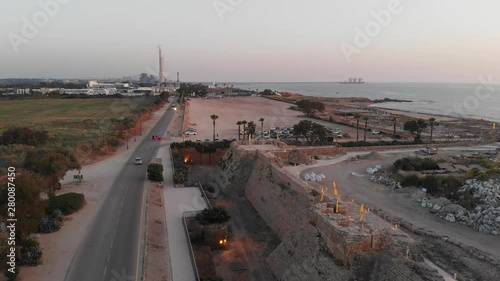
[[252, 40]]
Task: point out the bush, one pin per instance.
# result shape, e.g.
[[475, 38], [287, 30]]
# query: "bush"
[[216, 215], [450, 186], [114, 142], [67, 203], [180, 177], [155, 172], [211, 189], [468, 201], [31, 253], [411, 180], [51, 222], [431, 183], [415, 164]]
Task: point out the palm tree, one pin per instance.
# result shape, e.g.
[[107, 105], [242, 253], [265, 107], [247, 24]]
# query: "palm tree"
[[239, 129], [366, 123], [261, 127], [357, 116], [214, 117], [244, 123], [432, 128], [394, 120]]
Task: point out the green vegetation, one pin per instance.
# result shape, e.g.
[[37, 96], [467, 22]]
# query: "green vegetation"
[[51, 222], [311, 131], [202, 147], [267, 92], [415, 127], [445, 186], [415, 164], [67, 203], [310, 107], [72, 121], [199, 90], [251, 128], [155, 172], [180, 169], [31, 253], [216, 215], [31, 209], [23, 135]]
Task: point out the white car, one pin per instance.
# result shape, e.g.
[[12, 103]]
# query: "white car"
[[191, 133], [138, 161], [375, 132]]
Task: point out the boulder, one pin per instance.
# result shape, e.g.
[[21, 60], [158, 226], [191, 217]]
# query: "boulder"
[[450, 218]]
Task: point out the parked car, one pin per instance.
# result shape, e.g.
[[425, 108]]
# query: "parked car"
[[188, 133], [138, 161], [374, 132]]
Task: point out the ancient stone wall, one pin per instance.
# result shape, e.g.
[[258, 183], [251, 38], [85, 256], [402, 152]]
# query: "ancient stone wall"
[[312, 247]]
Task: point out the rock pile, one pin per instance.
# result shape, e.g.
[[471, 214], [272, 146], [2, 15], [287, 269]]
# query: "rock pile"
[[385, 179], [314, 177], [484, 218], [373, 170], [297, 157]]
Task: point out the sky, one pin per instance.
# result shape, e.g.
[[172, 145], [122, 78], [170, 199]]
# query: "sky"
[[252, 40]]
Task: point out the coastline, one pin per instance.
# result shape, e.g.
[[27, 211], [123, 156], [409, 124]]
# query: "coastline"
[[379, 105]]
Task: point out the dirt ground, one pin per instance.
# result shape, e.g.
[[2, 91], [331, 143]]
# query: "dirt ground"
[[60, 247], [157, 259], [402, 204]]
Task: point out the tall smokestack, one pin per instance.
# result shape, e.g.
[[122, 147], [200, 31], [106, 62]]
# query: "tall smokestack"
[[178, 80], [162, 76]]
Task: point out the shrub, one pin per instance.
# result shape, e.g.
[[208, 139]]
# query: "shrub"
[[114, 142], [415, 164], [468, 201], [411, 180], [216, 215], [31, 253], [155, 172], [211, 189], [180, 177], [450, 186], [431, 183], [51, 222], [67, 203]]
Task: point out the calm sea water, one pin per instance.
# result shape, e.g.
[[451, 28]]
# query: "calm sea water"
[[468, 100]]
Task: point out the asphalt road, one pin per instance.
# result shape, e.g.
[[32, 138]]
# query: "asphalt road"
[[111, 250]]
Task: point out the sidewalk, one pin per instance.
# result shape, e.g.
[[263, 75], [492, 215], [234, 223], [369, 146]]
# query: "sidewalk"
[[177, 201]]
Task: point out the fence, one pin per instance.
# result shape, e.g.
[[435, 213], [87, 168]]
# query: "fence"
[[190, 214], [204, 195]]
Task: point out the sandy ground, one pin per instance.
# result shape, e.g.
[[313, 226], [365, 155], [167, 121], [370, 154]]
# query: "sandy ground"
[[232, 110], [60, 247]]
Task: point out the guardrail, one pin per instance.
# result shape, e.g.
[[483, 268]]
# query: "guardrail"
[[204, 195], [190, 214]]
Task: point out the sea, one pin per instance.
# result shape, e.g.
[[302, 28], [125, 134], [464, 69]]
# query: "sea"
[[464, 100]]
